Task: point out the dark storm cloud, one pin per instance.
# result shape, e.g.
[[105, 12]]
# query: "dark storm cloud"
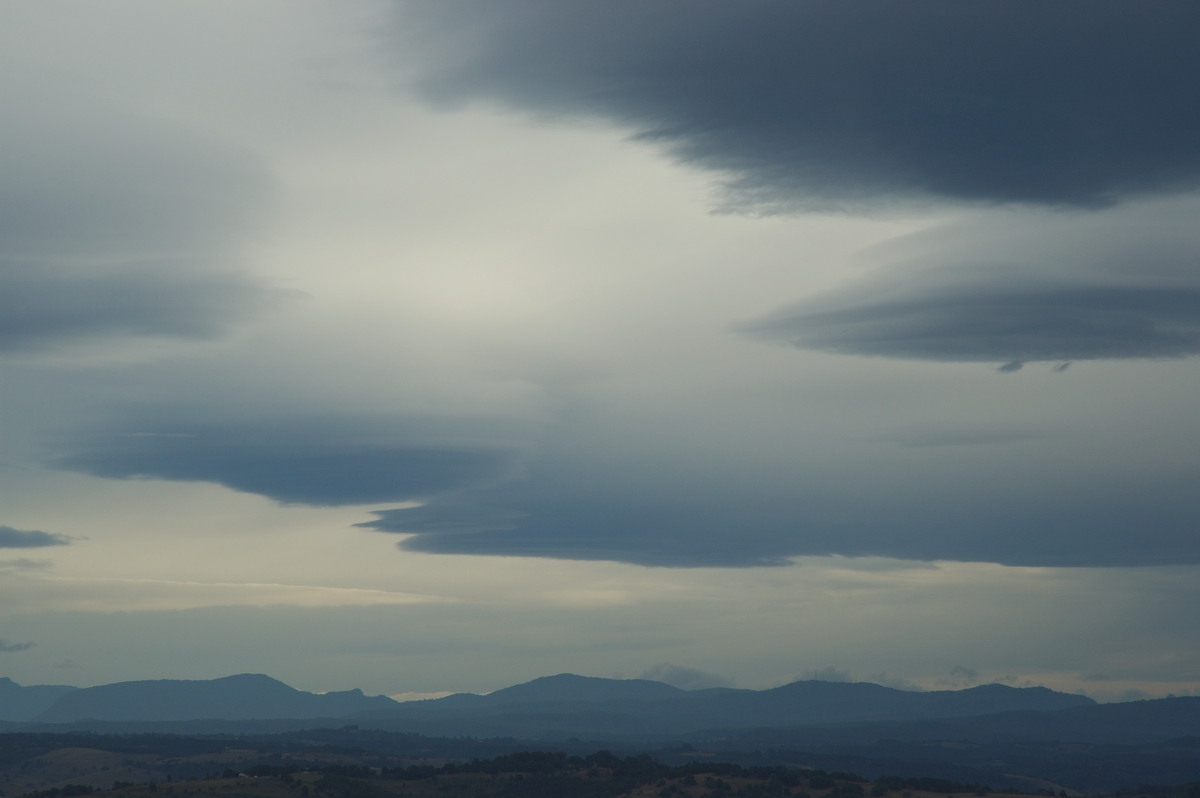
[[982, 315], [311, 461], [29, 539], [46, 305], [1075, 103]]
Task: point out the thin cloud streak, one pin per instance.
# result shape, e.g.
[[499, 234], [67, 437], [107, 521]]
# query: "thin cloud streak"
[[30, 539], [12, 648], [106, 595], [969, 320]]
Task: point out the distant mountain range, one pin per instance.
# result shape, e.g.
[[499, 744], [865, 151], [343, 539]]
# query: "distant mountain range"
[[247, 696], [551, 707], [991, 733], [557, 707]]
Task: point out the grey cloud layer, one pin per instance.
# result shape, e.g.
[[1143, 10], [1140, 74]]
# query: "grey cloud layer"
[[103, 182], [127, 227], [1004, 288], [1079, 519], [1076, 103], [114, 225], [47, 304], [29, 539], [312, 461], [1122, 284], [983, 321]]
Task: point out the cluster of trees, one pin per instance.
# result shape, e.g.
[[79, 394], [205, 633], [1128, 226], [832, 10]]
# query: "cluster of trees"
[[1190, 789], [66, 791], [604, 764], [531, 773], [524, 773]]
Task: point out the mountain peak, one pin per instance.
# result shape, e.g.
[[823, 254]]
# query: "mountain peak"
[[572, 687], [19, 703]]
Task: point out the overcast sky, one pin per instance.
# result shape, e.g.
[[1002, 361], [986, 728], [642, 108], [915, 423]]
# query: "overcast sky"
[[439, 346]]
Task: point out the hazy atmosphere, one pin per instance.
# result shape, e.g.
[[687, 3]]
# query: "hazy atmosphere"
[[438, 346]]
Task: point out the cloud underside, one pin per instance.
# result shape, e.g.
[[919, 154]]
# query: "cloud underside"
[[986, 323], [1083, 526], [29, 539], [310, 462], [802, 103], [490, 498]]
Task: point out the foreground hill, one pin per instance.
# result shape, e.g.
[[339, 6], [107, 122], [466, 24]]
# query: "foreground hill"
[[356, 763], [247, 696], [150, 767]]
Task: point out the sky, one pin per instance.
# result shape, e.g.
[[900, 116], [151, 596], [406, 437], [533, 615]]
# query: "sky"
[[435, 347]]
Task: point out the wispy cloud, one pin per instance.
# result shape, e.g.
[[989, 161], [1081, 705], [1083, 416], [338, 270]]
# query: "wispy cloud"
[[30, 539], [11, 648], [684, 677], [829, 673], [80, 594], [960, 676], [24, 565]]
